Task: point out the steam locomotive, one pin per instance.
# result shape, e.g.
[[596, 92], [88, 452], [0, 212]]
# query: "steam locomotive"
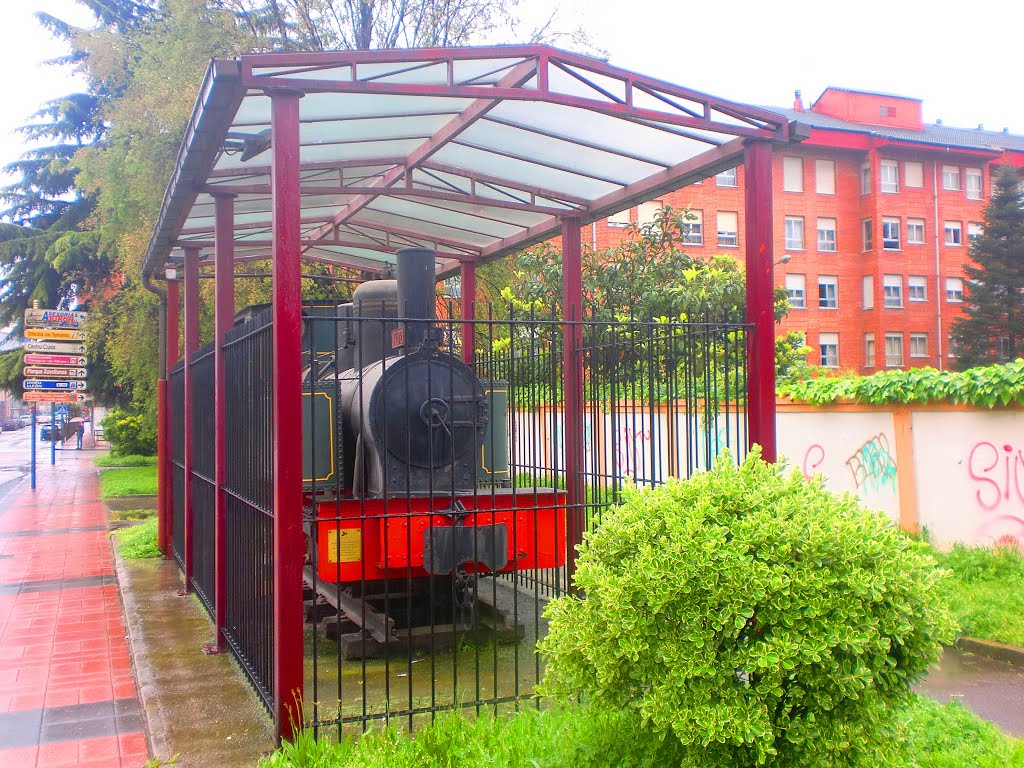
[[403, 452]]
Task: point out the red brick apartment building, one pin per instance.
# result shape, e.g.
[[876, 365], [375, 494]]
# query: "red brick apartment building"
[[873, 217]]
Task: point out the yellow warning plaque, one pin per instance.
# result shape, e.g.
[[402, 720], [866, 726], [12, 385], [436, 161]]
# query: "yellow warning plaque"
[[344, 545]]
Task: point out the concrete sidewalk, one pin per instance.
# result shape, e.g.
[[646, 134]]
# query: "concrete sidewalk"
[[67, 694]]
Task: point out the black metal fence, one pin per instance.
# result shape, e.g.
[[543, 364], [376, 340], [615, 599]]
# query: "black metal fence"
[[439, 494], [249, 621], [203, 488], [176, 385]]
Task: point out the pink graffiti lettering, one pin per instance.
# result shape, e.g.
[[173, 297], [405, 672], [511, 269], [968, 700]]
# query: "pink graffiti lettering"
[[999, 472], [814, 457], [629, 447]]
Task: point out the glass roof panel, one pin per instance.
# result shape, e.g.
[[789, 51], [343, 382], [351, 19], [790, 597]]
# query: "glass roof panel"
[[427, 229], [371, 128], [433, 211], [343, 72], [561, 81], [333, 106], [408, 72], [483, 71], [363, 151]]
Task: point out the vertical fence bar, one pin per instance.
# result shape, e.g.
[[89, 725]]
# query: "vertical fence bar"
[[467, 293], [171, 345], [224, 311], [760, 298], [287, 411], [572, 383], [191, 345]]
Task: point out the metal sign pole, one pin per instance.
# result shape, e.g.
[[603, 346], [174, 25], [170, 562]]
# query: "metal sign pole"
[[53, 428], [33, 447]]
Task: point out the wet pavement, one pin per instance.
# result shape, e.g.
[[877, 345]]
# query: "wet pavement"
[[991, 689]]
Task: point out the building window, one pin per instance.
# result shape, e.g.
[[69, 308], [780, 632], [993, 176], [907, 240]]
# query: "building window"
[[919, 345], [693, 228], [794, 233], [913, 174], [974, 184], [915, 231], [865, 229], [620, 219], [952, 347], [792, 174], [893, 350], [727, 178], [728, 226], [954, 290], [892, 291], [890, 176], [869, 350], [796, 288], [917, 288], [974, 231], [867, 290], [828, 292], [825, 177], [890, 233], [865, 179], [826, 234], [950, 178], [829, 345], [953, 234], [647, 212]]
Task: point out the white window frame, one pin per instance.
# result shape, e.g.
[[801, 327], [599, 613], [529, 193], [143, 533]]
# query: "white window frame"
[[889, 224], [865, 179], [917, 288], [828, 347], [826, 243], [727, 178], [889, 177], [951, 178], [867, 233], [892, 291], [975, 229], [914, 225], [796, 290], [916, 340], [867, 292], [913, 174], [620, 219], [825, 177], [975, 184], [954, 234], [954, 290], [792, 174], [728, 228], [828, 291], [894, 350], [869, 350], [646, 212], [795, 240], [692, 228]]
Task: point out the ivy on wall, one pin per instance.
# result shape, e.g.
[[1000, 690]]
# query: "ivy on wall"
[[983, 386]]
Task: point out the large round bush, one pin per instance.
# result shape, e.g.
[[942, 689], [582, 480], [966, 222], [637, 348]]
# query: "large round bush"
[[752, 617]]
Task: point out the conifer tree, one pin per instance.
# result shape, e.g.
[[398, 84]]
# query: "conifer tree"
[[992, 328]]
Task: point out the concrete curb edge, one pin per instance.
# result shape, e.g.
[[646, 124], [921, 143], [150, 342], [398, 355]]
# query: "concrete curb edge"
[[992, 650]]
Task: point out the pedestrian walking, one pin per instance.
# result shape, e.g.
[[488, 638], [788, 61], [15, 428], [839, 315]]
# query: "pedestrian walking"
[[79, 434]]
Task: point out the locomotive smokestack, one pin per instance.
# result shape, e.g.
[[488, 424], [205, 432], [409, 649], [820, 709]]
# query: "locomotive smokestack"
[[416, 297]]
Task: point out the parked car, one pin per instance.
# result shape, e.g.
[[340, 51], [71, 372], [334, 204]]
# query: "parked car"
[[59, 432], [11, 424]]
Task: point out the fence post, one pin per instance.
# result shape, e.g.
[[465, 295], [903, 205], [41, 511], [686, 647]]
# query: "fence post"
[[224, 311], [467, 299], [760, 298], [191, 345], [572, 385], [287, 411], [172, 345]]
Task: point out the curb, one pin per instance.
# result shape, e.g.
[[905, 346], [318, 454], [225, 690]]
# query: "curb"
[[127, 503], [991, 650]]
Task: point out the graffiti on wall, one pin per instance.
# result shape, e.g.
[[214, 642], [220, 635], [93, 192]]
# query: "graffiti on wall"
[[814, 457], [873, 466], [631, 448], [997, 471]]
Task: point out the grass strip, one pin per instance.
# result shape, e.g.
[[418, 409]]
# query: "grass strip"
[[128, 460], [130, 481], [985, 591], [137, 541]]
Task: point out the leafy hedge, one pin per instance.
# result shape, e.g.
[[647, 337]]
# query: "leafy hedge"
[[130, 433], [984, 386]]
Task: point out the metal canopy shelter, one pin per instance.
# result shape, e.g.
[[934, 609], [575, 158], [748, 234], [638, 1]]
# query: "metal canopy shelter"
[[345, 157]]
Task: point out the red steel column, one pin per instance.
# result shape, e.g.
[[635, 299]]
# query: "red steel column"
[[224, 311], [757, 165], [191, 345], [162, 475], [467, 272], [572, 382], [287, 407], [172, 341]]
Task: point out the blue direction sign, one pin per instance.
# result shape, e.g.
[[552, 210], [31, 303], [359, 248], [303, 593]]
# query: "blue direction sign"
[[54, 384]]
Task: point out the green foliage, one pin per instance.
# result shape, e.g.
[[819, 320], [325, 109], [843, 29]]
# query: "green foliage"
[[791, 353], [130, 433], [992, 327], [985, 591], [750, 617], [126, 460], [130, 481], [983, 386], [937, 736], [136, 542]]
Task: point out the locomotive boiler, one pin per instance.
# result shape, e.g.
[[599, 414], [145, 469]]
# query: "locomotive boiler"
[[404, 454]]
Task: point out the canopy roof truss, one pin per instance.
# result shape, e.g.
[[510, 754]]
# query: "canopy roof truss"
[[474, 152]]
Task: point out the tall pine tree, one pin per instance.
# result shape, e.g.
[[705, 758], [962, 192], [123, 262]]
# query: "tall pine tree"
[[992, 329]]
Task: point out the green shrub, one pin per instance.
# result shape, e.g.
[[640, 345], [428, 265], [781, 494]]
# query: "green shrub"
[[130, 433], [750, 617]]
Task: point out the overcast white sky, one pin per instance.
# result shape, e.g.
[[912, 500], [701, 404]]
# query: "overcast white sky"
[[961, 58]]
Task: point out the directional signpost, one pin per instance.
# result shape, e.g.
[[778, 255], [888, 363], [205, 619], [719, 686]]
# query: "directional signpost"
[[55, 367]]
